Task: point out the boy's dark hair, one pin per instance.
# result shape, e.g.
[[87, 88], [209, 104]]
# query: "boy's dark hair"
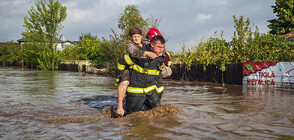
[[158, 38], [135, 30]]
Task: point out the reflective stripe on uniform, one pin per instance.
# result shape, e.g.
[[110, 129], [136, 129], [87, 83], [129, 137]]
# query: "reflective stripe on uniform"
[[160, 68], [120, 66], [144, 90], [116, 81], [138, 68], [160, 89], [141, 90], [145, 71], [169, 63], [128, 59]]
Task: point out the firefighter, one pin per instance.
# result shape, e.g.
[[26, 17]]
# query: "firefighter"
[[144, 75], [134, 49]]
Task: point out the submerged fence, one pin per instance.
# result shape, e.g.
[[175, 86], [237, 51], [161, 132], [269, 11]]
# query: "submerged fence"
[[269, 74], [262, 74], [232, 75]]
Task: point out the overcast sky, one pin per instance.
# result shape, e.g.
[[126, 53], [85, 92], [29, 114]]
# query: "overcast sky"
[[180, 20]]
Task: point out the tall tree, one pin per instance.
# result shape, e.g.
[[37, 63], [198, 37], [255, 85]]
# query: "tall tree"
[[89, 47], [242, 40], [284, 23], [43, 25], [44, 21], [129, 18], [112, 50]]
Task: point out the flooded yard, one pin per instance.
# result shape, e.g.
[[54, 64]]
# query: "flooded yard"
[[70, 105]]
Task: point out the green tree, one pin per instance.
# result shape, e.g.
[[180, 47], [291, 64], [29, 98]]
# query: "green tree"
[[89, 47], [284, 23], [129, 18], [70, 53], [246, 45], [111, 51], [221, 52], [214, 51], [43, 25], [9, 52], [31, 52], [88, 36], [270, 47], [188, 56], [243, 40]]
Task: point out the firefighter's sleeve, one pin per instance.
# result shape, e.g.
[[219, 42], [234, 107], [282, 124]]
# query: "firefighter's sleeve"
[[121, 66], [134, 51]]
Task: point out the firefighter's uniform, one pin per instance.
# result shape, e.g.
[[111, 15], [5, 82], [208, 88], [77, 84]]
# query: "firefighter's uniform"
[[145, 88]]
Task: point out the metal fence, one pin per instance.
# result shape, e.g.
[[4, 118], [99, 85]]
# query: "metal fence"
[[232, 75]]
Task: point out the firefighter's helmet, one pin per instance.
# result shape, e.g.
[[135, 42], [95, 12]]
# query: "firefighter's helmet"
[[151, 33]]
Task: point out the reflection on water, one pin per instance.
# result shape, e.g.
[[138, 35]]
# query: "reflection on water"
[[69, 105]]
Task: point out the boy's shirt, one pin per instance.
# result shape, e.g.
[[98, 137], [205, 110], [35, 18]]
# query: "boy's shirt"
[[134, 50]]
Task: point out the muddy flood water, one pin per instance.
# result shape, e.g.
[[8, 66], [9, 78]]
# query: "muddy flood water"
[[70, 105]]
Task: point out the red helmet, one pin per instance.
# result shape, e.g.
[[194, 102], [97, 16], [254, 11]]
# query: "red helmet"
[[151, 33]]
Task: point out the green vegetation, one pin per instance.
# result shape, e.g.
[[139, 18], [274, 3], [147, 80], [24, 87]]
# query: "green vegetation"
[[43, 25], [129, 18], [102, 53], [246, 46], [284, 23], [9, 53]]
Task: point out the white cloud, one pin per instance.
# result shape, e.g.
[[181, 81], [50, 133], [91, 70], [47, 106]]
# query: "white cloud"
[[203, 17], [18, 2], [213, 3], [125, 2]]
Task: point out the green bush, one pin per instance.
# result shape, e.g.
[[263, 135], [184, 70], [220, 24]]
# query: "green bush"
[[9, 52], [246, 46]]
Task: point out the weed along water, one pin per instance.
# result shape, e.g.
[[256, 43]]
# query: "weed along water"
[[70, 105]]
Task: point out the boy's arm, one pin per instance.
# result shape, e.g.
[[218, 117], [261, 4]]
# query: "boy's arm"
[[134, 51]]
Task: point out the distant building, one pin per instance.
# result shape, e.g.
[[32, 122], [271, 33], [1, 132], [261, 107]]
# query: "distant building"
[[60, 45], [290, 37]]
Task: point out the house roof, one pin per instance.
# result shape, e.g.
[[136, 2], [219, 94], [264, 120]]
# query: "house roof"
[[56, 41], [72, 42], [76, 42], [21, 40], [289, 35]]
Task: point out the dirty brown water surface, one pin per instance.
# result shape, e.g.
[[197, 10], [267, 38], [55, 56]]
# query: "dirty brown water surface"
[[70, 105]]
